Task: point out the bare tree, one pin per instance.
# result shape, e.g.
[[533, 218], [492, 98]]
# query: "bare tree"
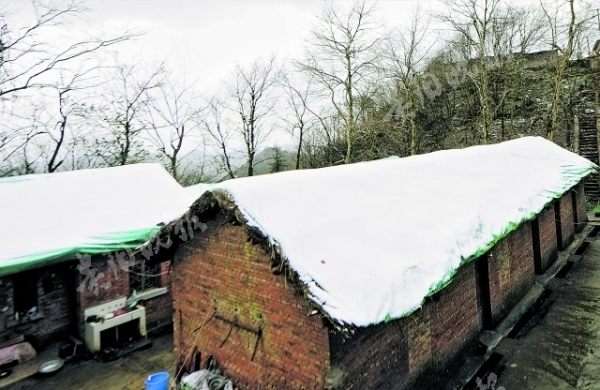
[[26, 60], [197, 170], [516, 29], [171, 117], [17, 140], [515, 32], [218, 131], [404, 52], [30, 65], [341, 55], [552, 122], [125, 112], [299, 94], [472, 20], [70, 106], [252, 91]]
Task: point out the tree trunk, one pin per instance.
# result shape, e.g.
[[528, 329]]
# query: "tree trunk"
[[560, 70], [413, 138], [51, 164], [125, 151], [576, 134], [350, 119], [299, 149], [485, 103], [250, 163]]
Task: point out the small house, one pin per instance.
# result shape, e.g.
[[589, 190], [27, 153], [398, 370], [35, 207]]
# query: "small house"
[[69, 256], [372, 275]]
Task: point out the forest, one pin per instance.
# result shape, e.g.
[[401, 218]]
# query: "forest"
[[473, 72]]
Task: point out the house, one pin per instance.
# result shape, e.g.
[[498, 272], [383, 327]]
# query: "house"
[[378, 274], [69, 253]]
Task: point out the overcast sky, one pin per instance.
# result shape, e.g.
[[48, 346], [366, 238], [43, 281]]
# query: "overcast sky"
[[206, 38]]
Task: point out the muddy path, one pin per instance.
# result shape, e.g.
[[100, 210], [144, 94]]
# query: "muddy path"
[[126, 373], [559, 348]]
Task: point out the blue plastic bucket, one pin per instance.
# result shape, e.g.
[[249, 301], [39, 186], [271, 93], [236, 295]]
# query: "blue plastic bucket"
[[158, 381]]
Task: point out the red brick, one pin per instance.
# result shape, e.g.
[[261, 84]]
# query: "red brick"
[[565, 220], [56, 306], [220, 267], [579, 214], [511, 271]]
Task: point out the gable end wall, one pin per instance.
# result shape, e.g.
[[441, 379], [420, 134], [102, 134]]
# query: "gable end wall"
[[220, 269]]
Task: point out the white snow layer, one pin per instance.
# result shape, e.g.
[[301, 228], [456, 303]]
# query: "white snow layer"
[[54, 215], [196, 190], [371, 240]]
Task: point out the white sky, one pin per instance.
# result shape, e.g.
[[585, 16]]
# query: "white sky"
[[206, 38]]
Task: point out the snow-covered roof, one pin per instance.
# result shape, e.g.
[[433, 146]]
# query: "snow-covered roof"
[[50, 217], [197, 190], [371, 240]]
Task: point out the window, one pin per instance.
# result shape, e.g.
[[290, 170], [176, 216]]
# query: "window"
[[25, 294], [143, 276]]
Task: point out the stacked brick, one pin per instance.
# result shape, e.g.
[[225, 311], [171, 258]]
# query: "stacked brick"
[[111, 286], [376, 357], [455, 319], [511, 271], [159, 310], [56, 305], [580, 216], [565, 221], [248, 319], [546, 246]]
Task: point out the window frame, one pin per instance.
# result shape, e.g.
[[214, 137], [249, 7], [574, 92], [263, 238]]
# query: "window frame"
[[144, 277]]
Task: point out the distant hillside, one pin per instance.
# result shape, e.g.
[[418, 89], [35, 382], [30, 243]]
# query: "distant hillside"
[[264, 160]]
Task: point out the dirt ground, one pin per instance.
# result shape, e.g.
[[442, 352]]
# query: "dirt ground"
[[560, 346], [128, 373]]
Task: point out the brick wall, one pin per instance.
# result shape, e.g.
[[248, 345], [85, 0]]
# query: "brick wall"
[[418, 329], [159, 310], [376, 357], [544, 239], [579, 214], [565, 226], [56, 299], [165, 274], [422, 350], [511, 271], [63, 306], [117, 286], [455, 319], [220, 269]]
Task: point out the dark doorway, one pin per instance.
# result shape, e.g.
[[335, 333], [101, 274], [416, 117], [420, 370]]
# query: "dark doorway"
[[25, 291], [483, 286], [537, 250], [559, 240], [120, 335]]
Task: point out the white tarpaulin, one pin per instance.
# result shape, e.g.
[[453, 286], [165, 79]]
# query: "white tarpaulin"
[[196, 190], [372, 240], [51, 217]]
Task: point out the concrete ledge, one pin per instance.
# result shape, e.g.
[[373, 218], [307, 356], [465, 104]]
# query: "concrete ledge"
[[467, 372], [491, 338], [509, 322], [144, 295]]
